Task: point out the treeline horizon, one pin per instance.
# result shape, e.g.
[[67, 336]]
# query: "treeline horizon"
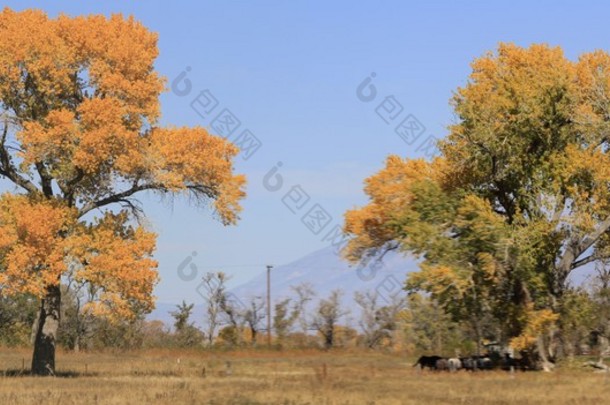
[[412, 323]]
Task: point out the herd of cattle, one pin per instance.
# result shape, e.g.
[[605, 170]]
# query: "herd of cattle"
[[472, 363]]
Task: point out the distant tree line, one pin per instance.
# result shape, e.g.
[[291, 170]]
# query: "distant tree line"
[[415, 323]]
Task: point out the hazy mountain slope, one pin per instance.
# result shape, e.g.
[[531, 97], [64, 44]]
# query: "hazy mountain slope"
[[325, 271]]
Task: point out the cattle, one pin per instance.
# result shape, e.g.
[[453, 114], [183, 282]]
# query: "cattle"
[[427, 361], [454, 364], [442, 364], [484, 363], [468, 363], [475, 363], [510, 363], [472, 363]]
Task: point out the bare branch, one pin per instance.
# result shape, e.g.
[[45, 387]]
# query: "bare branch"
[[584, 261], [8, 170], [121, 197]]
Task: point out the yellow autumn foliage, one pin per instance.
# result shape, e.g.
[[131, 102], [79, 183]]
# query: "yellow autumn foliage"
[[79, 137]]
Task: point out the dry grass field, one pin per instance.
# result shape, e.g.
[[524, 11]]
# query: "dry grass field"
[[304, 377]]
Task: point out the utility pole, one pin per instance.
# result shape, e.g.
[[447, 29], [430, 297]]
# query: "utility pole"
[[269, 267]]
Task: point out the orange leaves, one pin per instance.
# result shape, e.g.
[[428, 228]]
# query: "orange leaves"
[[104, 136], [41, 58], [593, 77], [391, 185], [39, 241], [520, 194], [29, 43], [516, 77], [31, 248], [593, 97], [52, 143], [441, 281], [367, 227], [537, 323], [81, 88], [183, 157], [116, 259], [512, 113], [227, 202], [532, 135], [97, 140], [83, 96], [390, 192], [118, 55], [82, 100]]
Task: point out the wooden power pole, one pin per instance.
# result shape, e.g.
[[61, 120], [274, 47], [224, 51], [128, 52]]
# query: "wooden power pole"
[[269, 305]]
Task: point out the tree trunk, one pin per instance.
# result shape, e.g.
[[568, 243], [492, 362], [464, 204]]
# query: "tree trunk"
[[543, 360], [253, 332], [77, 344], [43, 360]]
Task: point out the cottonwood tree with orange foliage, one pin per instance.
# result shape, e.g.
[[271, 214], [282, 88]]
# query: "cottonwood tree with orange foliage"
[[518, 199], [79, 139]]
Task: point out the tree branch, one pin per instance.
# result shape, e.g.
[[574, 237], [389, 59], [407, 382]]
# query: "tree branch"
[[583, 261], [123, 197], [590, 239], [45, 179], [68, 188], [577, 248], [8, 170], [559, 210], [119, 197]]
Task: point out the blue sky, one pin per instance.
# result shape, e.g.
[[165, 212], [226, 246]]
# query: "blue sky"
[[289, 71]]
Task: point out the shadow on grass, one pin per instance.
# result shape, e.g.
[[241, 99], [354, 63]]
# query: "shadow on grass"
[[58, 374]]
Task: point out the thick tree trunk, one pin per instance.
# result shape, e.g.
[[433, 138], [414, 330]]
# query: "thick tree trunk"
[[43, 361]]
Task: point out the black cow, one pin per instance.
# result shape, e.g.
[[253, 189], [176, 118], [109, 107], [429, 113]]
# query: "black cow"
[[468, 363], [484, 363], [510, 363], [427, 361]]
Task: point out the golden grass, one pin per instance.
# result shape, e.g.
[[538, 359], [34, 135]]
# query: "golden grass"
[[303, 377]]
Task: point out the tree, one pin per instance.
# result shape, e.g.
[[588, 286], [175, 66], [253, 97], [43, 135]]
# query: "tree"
[[124, 334], [378, 322], [578, 319], [327, 315], [600, 294], [253, 317], [76, 324], [233, 313], [284, 318], [77, 319], [17, 314], [523, 175], [305, 293], [214, 288], [186, 334], [79, 140], [429, 329], [155, 334], [181, 316]]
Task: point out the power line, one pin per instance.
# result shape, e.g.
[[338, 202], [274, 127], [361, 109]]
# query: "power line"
[[225, 266]]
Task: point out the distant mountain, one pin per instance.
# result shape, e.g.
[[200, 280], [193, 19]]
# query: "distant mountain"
[[325, 271]]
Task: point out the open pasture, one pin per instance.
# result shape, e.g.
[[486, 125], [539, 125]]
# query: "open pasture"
[[271, 377]]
